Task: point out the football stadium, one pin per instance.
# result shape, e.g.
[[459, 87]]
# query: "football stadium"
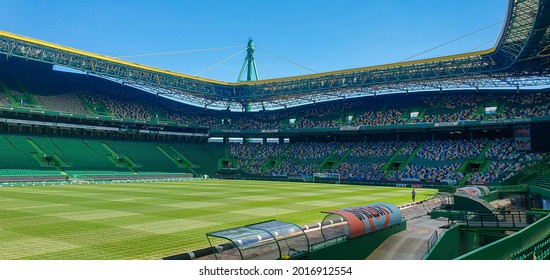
[[444, 158]]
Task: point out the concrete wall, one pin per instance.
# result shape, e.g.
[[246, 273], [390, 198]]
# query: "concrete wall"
[[355, 249], [505, 247]]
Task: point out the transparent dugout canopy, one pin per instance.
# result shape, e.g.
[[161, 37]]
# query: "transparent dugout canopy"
[[269, 240]]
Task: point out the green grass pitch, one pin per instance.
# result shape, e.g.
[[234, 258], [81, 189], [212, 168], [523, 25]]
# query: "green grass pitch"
[[155, 220]]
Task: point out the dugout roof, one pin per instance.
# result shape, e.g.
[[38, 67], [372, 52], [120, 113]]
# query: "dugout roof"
[[357, 221], [521, 58], [267, 240]]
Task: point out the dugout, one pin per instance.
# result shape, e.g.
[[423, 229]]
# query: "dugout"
[[357, 221], [473, 191], [269, 240]]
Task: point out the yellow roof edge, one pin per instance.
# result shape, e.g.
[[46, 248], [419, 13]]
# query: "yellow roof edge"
[[369, 68], [104, 57], [167, 72]]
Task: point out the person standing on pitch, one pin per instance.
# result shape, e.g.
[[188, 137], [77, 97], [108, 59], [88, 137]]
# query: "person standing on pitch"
[[413, 193]]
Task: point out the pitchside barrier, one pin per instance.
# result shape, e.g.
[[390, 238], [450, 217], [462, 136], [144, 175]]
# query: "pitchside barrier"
[[64, 181]]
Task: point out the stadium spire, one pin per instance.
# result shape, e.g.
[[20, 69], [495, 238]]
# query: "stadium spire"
[[249, 64]]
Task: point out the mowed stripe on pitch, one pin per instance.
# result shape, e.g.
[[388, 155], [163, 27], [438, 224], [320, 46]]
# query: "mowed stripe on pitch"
[[171, 225], [155, 220]]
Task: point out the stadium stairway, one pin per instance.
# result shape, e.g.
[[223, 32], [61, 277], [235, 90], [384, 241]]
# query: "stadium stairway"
[[25, 153], [205, 158], [464, 166], [410, 158], [119, 160], [49, 151], [274, 161], [346, 154], [25, 94], [143, 156], [4, 91], [465, 179], [500, 107], [97, 108], [333, 160], [180, 160], [390, 161], [480, 160], [79, 154], [412, 243], [483, 152]]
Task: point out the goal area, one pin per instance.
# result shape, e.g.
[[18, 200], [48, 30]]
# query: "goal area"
[[326, 178]]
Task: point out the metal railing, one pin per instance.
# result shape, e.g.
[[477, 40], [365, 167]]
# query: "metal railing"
[[490, 219], [430, 243], [432, 240]]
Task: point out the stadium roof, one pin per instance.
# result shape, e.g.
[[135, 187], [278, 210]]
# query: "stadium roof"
[[521, 58]]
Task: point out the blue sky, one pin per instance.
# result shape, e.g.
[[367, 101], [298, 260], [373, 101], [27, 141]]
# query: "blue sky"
[[321, 35]]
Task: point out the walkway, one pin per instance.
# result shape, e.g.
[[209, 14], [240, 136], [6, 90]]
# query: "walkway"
[[412, 243]]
